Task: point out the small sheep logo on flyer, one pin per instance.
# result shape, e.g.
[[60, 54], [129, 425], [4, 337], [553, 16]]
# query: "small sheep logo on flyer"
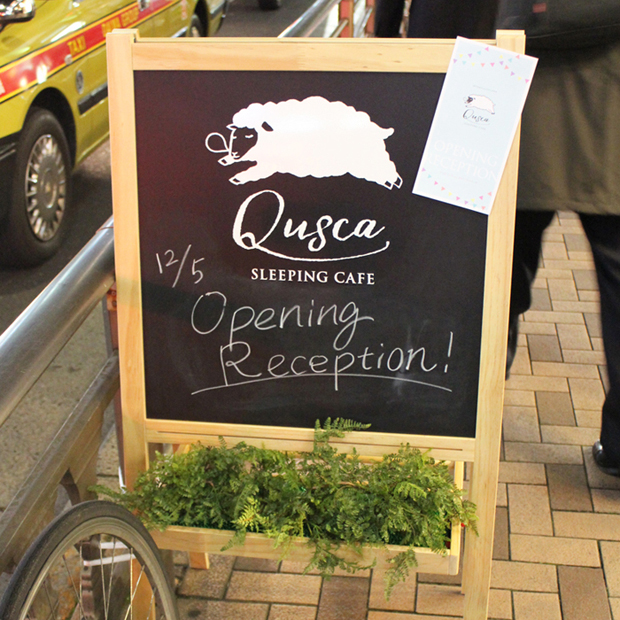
[[474, 125]]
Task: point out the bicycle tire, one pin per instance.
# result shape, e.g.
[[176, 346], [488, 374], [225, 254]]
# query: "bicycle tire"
[[105, 546]]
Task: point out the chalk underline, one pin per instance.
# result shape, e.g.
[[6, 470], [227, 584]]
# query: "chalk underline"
[[343, 374]]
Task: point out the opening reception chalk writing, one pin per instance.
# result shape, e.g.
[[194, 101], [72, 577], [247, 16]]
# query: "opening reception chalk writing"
[[287, 271]]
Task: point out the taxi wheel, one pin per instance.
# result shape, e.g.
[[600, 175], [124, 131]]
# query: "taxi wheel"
[[269, 5], [37, 220], [195, 27]]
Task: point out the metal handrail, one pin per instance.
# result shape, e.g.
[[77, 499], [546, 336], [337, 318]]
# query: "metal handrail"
[[40, 332], [314, 17], [311, 19]]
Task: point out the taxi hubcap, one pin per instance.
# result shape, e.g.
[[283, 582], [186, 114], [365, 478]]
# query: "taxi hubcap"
[[45, 188]]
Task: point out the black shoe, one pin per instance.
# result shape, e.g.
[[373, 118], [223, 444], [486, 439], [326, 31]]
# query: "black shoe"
[[603, 462]]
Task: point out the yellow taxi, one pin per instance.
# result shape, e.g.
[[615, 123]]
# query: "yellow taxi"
[[54, 107]]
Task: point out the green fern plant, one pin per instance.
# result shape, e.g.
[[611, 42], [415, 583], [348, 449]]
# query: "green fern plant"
[[333, 499]]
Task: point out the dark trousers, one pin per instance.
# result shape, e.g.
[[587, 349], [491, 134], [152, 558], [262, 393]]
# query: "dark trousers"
[[603, 233]]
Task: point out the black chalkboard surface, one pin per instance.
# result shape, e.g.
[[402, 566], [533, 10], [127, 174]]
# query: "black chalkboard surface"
[[285, 294]]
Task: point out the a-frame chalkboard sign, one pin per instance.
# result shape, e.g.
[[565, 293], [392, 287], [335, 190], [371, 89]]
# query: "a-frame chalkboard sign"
[[268, 275]]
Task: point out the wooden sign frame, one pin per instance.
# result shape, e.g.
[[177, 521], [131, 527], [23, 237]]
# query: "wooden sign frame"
[[126, 54]]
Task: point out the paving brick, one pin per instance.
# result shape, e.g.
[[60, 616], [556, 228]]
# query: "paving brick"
[[524, 576], [585, 279], [519, 398], [554, 550], [537, 384], [606, 500], [597, 343], [520, 424], [436, 599], [568, 488], [343, 599], [615, 608], [500, 604], [588, 418], [523, 473], [275, 588], [521, 364], [257, 565], [559, 318], [291, 612], [587, 525], [589, 296], [572, 435], [572, 265], [180, 557], [501, 541], [390, 615], [208, 583], [586, 393], [536, 606], [576, 242], [532, 327], [596, 478], [551, 250], [502, 495], [583, 357], [296, 567], [197, 609], [528, 509], [555, 369], [575, 306], [436, 578], [562, 290], [555, 408], [610, 552], [401, 599], [542, 453], [557, 274], [593, 323], [540, 299], [604, 378], [299, 567], [544, 348], [107, 460], [583, 593]]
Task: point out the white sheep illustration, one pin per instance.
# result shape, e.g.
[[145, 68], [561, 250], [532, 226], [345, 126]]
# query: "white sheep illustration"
[[313, 137], [481, 102]]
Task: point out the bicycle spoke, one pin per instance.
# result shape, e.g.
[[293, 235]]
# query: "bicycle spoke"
[[103, 589], [78, 596], [49, 599], [133, 594], [112, 568], [151, 606]]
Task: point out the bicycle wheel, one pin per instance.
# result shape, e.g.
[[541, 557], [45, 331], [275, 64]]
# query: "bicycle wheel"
[[95, 562]]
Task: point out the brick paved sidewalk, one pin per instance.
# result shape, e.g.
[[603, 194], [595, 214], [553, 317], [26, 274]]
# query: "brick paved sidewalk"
[[557, 547]]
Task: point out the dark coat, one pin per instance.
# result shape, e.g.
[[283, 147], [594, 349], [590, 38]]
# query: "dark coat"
[[444, 19], [570, 135]]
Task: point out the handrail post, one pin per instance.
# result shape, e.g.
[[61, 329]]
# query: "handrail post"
[[346, 12], [369, 30]]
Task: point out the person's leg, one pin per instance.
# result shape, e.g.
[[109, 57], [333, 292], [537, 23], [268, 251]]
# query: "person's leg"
[[603, 232], [529, 229]]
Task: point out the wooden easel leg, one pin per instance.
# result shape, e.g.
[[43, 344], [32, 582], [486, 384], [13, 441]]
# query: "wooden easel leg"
[[199, 560], [477, 559]]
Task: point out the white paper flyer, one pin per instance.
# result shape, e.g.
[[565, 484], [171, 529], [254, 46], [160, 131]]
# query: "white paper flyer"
[[474, 125]]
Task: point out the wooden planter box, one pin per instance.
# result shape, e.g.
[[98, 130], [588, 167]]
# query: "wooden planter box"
[[202, 540]]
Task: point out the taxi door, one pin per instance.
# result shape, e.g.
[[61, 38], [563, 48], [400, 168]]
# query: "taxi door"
[[103, 16]]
